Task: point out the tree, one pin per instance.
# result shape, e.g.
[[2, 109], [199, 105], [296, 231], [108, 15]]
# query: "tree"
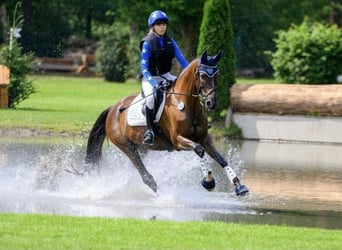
[[255, 24], [3, 23], [185, 18], [216, 33], [335, 12]]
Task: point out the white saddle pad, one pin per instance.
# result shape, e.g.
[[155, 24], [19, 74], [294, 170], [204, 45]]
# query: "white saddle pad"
[[135, 116]]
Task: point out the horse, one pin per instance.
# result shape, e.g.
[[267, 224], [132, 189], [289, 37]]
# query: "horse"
[[183, 125]]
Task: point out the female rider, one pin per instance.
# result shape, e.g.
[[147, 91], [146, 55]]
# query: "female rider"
[[157, 53]]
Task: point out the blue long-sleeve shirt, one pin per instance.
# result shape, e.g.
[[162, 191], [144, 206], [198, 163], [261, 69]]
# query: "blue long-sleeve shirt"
[[146, 54]]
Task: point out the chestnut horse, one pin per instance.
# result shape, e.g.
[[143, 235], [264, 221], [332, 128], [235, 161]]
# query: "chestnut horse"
[[183, 124]]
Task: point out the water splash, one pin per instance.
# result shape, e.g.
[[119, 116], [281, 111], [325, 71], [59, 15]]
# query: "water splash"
[[44, 185]]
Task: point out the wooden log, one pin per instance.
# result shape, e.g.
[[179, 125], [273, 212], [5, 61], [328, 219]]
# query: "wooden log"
[[4, 82], [296, 99]]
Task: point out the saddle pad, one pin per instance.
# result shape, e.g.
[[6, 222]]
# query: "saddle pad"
[[135, 116]]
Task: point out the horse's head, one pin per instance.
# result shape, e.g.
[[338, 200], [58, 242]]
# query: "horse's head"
[[206, 78]]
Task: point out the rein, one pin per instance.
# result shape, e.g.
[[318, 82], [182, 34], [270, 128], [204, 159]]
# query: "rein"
[[184, 94]]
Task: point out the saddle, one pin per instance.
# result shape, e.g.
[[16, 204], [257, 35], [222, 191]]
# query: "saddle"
[[136, 112]]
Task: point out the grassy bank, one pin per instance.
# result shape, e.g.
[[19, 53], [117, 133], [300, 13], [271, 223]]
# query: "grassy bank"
[[65, 104], [72, 104], [64, 232]]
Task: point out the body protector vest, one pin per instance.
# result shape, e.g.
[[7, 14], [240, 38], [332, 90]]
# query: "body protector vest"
[[161, 58]]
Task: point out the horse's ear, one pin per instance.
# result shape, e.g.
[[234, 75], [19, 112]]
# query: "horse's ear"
[[217, 57], [204, 56]]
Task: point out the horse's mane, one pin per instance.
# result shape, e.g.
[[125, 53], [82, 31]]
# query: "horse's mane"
[[192, 64]]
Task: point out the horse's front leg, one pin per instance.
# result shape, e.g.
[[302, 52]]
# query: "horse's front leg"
[[210, 148], [208, 182], [184, 143]]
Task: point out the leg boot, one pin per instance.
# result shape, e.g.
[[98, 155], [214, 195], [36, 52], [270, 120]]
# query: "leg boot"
[[149, 134]]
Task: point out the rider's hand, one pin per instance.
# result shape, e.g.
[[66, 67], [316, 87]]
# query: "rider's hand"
[[164, 85]]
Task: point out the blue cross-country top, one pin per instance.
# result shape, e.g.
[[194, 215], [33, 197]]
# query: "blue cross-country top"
[[148, 62]]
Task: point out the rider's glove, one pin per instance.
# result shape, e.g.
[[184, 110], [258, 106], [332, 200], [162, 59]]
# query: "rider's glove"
[[164, 85]]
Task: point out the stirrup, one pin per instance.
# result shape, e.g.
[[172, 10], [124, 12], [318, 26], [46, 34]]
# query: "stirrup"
[[148, 137]]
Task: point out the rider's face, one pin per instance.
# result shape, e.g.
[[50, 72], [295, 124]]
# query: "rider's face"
[[160, 28]]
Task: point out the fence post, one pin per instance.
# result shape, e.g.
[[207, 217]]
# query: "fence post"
[[4, 81]]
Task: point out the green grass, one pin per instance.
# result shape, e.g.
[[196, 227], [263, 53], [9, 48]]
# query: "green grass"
[[66, 232], [64, 103], [71, 104]]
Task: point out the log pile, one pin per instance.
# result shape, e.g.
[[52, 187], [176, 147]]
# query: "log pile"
[[282, 99]]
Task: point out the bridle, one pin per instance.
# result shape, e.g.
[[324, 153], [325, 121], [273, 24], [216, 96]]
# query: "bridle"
[[210, 72], [211, 86]]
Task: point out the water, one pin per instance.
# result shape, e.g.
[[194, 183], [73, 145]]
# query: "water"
[[291, 184]]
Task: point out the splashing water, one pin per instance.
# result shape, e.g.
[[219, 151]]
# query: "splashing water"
[[34, 179], [40, 182]]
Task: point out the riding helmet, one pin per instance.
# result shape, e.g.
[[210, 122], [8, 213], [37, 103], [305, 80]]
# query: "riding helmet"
[[155, 16]]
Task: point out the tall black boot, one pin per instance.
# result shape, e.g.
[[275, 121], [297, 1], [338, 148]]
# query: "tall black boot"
[[149, 134]]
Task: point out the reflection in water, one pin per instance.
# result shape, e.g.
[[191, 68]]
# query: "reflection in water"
[[291, 184], [305, 172]]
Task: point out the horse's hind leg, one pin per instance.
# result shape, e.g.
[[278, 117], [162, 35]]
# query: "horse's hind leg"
[[132, 153]]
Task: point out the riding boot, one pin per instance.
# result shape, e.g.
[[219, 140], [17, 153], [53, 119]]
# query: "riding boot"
[[149, 134]]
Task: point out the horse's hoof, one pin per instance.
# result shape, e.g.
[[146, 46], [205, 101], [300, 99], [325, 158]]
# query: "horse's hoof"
[[150, 182], [208, 185], [241, 190], [199, 150], [154, 187]]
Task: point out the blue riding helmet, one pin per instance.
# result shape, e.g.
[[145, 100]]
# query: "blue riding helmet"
[[155, 16]]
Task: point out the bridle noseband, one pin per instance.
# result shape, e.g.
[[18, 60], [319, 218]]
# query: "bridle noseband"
[[210, 72]]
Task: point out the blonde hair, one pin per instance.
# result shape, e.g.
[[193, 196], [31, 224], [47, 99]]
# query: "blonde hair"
[[151, 30]]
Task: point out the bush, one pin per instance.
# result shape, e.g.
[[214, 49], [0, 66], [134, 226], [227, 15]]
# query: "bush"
[[111, 56], [310, 53], [20, 65]]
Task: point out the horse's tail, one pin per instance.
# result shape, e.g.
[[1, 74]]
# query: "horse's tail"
[[96, 139]]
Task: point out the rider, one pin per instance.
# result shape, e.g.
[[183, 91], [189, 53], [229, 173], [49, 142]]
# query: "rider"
[[157, 53]]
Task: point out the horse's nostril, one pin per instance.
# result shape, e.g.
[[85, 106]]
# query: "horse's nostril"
[[208, 104]]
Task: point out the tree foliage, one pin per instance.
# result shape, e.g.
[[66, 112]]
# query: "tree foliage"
[[308, 53], [111, 56], [255, 24], [48, 24], [216, 33]]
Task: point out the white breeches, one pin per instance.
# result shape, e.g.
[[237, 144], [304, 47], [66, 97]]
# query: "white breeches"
[[148, 88]]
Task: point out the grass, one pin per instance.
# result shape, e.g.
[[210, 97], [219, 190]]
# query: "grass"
[[64, 103], [66, 232], [72, 104]]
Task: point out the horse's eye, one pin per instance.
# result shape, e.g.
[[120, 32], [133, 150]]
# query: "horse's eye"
[[203, 76]]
